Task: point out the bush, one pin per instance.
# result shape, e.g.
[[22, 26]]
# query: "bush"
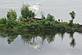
[[3, 21]]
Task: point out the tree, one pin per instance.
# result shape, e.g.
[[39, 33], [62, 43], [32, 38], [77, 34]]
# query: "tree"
[[31, 14], [50, 17], [11, 19], [72, 14], [3, 20], [11, 15], [26, 13], [43, 17]]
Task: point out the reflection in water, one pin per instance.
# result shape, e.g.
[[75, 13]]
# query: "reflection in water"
[[72, 42], [35, 39], [71, 34], [62, 35]]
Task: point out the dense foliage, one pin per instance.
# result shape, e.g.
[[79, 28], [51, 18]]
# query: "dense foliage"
[[26, 13], [28, 23]]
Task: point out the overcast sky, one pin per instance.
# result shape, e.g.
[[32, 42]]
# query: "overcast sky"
[[59, 8]]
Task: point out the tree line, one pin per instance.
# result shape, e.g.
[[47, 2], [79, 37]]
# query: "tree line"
[[28, 22]]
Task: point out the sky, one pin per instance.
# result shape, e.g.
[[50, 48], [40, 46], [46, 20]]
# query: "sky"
[[59, 8]]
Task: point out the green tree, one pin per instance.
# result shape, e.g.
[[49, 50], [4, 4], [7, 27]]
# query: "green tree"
[[11, 15], [43, 17], [3, 20], [26, 13], [2, 23], [50, 17], [11, 19]]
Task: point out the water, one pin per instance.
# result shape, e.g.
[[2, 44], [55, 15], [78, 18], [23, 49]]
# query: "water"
[[40, 43], [60, 9]]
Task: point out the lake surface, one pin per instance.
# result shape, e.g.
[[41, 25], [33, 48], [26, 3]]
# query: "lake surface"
[[43, 44], [40, 44]]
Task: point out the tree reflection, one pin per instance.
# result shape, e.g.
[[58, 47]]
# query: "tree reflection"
[[71, 34], [33, 37], [72, 43], [62, 35]]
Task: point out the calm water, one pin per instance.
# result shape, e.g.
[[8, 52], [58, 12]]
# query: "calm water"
[[43, 44], [40, 44]]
